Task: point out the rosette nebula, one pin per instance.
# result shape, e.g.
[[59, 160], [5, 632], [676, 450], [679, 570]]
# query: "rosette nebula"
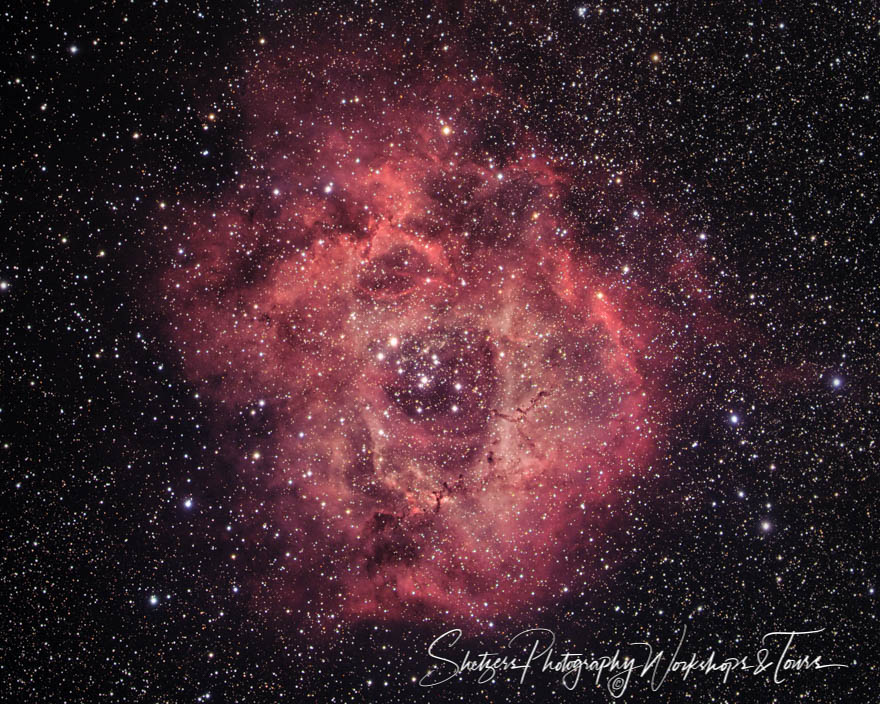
[[434, 385]]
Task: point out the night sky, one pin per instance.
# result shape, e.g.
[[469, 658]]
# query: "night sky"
[[329, 328]]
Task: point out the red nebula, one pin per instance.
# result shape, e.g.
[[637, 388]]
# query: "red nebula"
[[452, 385]]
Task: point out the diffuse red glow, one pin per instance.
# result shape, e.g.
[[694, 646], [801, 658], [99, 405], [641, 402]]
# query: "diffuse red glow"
[[451, 384]]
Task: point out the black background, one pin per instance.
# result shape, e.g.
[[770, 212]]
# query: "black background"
[[758, 124]]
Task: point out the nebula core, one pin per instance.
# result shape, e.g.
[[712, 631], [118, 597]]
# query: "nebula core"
[[449, 386]]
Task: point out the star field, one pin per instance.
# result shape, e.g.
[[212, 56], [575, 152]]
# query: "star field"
[[330, 327]]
